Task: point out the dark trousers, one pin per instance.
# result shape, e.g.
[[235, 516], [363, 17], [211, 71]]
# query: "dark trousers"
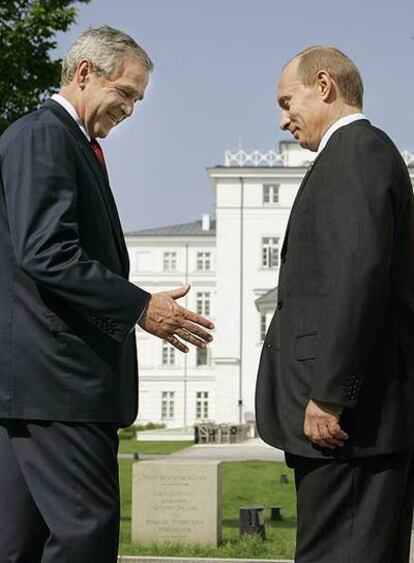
[[358, 511], [59, 492]]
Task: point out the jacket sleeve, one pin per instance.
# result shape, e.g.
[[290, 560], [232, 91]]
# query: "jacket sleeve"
[[355, 223], [40, 185]]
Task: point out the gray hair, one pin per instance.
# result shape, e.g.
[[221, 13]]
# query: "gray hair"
[[105, 47]]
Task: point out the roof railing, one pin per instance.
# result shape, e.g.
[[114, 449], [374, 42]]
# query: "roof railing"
[[242, 157]]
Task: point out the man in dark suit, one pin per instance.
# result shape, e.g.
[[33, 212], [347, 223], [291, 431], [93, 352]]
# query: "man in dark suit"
[[335, 388], [68, 375]]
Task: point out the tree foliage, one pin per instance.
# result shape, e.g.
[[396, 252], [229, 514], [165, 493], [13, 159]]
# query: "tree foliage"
[[27, 35]]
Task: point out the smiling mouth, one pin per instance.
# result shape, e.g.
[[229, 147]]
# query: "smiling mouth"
[[114, 119]]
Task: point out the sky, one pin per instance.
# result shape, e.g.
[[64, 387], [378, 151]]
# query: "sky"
[[214, 82]]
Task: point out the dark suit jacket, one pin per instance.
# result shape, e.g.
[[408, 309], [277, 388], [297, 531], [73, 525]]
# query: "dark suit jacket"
[[343, 331], [67, 311]]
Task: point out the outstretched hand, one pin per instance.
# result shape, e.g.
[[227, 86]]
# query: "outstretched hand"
[[171, 322], [321, 425]]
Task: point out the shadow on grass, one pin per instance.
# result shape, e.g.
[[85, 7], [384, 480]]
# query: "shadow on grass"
[[247, 547], [231, 522], [285, 524]]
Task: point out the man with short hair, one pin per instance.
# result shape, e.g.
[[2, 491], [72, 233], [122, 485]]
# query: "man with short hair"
[[335, 388], [68, 376]]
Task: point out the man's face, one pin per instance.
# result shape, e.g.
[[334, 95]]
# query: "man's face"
[[302, 108], [105, 102]]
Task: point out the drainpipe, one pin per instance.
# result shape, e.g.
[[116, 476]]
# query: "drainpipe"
[[240, 401], [185, 355]]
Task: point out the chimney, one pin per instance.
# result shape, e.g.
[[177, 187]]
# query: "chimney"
[[205, 222]]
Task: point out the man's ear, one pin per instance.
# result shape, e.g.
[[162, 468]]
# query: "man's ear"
[[326, 85], [83, 72]]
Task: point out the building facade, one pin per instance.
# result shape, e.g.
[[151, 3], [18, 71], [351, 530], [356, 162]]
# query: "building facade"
[[176, 388], [232, 264]]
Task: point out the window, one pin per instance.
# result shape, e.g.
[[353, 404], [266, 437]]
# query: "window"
[[203, 302], [167, 405], [270, 252], [168, 354], [201, 359], [202, 405], [203, 261], [170, 261], [270, 194], [262, 327]]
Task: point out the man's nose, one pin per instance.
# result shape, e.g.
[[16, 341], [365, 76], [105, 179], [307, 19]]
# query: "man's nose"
[[128, 109], [284, 121]]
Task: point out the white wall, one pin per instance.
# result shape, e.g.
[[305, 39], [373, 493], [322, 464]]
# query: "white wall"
[[185, 378]]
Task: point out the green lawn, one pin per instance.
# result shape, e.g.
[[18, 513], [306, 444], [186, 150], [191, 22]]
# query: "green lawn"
[[249, 482], [155, 448]]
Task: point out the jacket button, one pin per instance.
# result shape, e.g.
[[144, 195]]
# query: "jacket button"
[[268, 345], [279, 305]]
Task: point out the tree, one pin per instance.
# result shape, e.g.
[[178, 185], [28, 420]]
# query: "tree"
[[27, 35]]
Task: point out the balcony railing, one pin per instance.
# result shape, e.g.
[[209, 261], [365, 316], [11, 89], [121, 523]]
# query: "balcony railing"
[[253, 158], [244, 157]]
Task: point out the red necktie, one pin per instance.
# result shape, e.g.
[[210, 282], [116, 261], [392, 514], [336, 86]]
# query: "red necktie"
[[97, 149]]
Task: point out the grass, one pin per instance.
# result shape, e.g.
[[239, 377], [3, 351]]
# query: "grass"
[[247, 482], [151, 448]]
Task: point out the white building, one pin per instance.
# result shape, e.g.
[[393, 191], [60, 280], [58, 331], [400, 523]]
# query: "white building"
[[232, 263]]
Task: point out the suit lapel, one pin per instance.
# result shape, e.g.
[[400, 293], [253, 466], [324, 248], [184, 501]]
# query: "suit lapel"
[[101, 178], [109, 203], [295, 203], [305, 179]]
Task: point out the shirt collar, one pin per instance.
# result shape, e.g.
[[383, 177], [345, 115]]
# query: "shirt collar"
[[337, 125], [72, 112]]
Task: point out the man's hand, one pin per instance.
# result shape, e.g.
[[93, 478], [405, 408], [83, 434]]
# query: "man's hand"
[[321, 425], [166, 319]]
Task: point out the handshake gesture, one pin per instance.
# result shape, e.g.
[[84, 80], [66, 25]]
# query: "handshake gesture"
[[173, 323]]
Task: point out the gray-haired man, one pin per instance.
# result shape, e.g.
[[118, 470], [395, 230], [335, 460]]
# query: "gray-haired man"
[[68, 375]]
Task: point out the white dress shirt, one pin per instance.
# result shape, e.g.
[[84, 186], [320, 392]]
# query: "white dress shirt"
[[72, 112], [337, 125]]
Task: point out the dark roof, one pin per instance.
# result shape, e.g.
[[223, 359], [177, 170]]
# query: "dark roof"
[[193, 229], [268, 298]]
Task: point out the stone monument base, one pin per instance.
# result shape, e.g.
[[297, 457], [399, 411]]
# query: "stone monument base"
[[177, 501]]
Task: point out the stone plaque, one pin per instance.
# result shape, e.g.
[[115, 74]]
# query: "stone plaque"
[[177, 500]]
